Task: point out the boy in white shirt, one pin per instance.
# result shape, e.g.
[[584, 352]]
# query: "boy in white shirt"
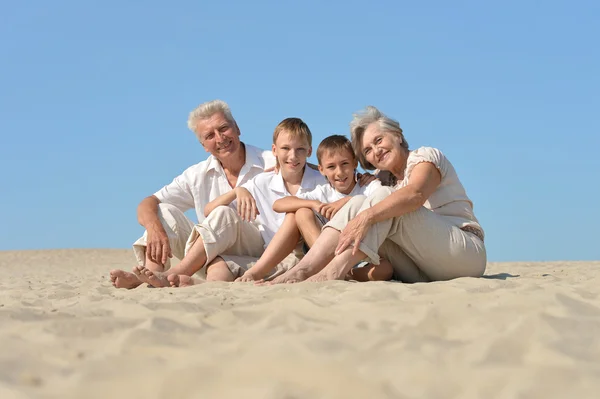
[[227, 241], [338, 163]]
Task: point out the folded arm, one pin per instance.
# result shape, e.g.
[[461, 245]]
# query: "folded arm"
[[292, 204]]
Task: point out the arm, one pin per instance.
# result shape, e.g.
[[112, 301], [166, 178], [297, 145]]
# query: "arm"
[[292, 204], [329, 210], [157, 242], [246, 205], [424, 180], [224, 199]]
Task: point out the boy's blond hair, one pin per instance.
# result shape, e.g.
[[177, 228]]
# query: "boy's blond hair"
[[334, 143], [295, 127]]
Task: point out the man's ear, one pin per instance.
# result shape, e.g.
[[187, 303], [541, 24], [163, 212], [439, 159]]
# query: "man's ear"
[[321, 170], [239, 133], [273, 149], [309, 151]]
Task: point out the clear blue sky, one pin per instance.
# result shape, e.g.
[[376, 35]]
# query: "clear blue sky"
[[94, 98]]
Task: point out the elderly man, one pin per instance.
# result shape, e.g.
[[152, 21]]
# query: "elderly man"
[[231, 163]]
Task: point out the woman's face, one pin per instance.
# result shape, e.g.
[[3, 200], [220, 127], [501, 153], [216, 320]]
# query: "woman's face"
[[382, 149]]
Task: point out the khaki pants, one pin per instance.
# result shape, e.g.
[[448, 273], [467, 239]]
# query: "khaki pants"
[[420, 245], [178, 228], [237, 242], [224, 234]]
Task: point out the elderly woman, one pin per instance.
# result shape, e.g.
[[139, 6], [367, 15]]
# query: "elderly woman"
[[424, 224]]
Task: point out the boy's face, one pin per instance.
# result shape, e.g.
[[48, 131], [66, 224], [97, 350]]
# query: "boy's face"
[[291, 152], [338, 167]]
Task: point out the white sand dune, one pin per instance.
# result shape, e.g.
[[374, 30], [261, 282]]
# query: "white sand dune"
[[527, 330]]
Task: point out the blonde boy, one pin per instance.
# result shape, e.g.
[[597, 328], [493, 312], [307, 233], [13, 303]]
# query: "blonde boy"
[[338, 163], [228, 241]]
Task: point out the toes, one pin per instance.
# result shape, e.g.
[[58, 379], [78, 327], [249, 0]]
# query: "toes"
[[173, 279]]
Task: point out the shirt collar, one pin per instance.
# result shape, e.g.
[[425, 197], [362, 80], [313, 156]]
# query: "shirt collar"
[[253, 159], [276, 184], [253, 156]]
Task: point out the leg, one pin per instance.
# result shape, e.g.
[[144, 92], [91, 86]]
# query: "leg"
[[339, 266], [191, 263], [178, 228], [381, 272], [322, 251], [282, 244], [309, 227], [222, 232], [217, 270], [438, 249], [403, 267]]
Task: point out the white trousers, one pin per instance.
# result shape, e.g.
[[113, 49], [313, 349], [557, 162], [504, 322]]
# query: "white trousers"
[[420, 245], [178, 228]]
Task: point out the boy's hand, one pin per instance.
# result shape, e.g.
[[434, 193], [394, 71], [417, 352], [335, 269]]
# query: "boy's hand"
[[329, 210], [246, 278], [317, 205], [365, 178], [246, 205]]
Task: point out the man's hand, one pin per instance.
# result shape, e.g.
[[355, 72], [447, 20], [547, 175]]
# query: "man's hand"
[[246, 205], [158, 249]]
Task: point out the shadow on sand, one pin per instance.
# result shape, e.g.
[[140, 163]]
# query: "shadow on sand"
[[500, 276]]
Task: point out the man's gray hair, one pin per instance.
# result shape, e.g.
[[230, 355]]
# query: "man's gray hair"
[[206, 110], [362, 120]]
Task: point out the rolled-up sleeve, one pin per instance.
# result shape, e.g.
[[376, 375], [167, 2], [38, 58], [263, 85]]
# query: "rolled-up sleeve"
[[178, 193]]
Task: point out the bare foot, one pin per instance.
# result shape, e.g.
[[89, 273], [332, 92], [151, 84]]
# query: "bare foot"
[[155, 279], [181, 280], [123, 279]]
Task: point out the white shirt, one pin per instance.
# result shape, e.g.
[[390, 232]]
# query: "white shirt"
[[267, 188], [326, 194], [450, 198], [202, 183]]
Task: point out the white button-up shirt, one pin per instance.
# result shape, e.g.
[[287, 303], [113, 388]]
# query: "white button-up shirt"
[[326, 194], [267, 188], [202, 183]]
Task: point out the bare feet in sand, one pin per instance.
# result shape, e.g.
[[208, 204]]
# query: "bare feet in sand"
[[155, 279], [181, 280], [123, 279]]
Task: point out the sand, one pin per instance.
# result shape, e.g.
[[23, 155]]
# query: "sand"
[[526, 330]]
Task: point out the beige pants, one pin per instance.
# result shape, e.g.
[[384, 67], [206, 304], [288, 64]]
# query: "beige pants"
[[224, 234], [420, 245], [178, 228], [237, 242]]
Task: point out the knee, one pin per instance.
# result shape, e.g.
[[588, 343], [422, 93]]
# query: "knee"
[[379, 195], [350, 210], [304, 215], [221, 215]]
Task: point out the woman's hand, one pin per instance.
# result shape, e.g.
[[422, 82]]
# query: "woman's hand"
[[246, 205], [354, 232]]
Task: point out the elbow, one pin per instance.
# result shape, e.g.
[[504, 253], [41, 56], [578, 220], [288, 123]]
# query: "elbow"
[[277, 207], [417, 199], [207, 210]]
